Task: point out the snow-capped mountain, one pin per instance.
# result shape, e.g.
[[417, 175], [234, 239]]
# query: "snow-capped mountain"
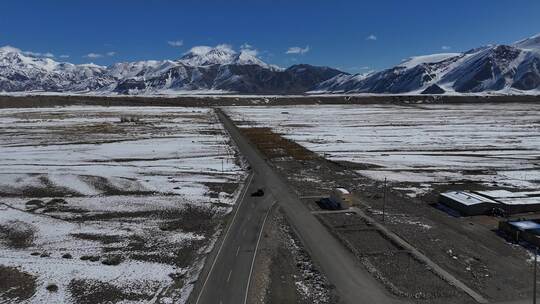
[[147, 68], [202, 68], [217, 68], [511, 68], [531, 43], [222, 55], [497, 68], [23, 72]]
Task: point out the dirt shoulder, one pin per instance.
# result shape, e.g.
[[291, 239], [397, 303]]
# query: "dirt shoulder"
[[284, 271]]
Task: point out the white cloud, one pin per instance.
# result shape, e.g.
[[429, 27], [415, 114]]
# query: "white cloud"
[[29, 53], [371, 37], [297, 50], [246, 46], [93, 55], [8, 48], [203, 49], [37, 54], [200, 50], [175, 43], [99, 55], [248, 49], [358, 68], [445, 47], [64, 56], [224, 47], [250, 52]]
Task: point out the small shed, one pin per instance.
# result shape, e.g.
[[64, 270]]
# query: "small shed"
[[526, 230], [342, 197]]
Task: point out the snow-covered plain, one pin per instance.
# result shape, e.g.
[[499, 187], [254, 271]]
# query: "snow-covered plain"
[[129, 187], [493, 144], [167, 149]]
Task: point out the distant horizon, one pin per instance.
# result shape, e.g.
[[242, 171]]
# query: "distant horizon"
[[350, 36]]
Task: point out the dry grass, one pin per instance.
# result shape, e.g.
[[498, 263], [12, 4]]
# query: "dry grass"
[[274, 145], [17, 234], [92, 292], [15, 284]]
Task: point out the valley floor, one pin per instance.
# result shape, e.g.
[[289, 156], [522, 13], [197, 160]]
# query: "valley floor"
[[422, 150], [123, 204], [110, 204], [417, 147]]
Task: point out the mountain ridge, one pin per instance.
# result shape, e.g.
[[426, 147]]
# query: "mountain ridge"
[[499, 69], [217, 69]]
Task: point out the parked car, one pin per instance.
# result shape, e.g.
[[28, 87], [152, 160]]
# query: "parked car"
[[259, 192], [329, 204]]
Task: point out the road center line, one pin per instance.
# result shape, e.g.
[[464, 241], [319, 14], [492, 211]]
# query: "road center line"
[[246, 187], [255, 252]]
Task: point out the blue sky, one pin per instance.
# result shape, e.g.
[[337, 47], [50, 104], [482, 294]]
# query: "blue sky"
[[351, 35]]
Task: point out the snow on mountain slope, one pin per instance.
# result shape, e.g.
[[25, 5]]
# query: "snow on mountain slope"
[[205, 55], [222, 55], [340, 83], [495, 68], [140, 68], [511, 69], [491, 69], [410, 76], [217, 69], [202, 68], [531, 43], [22, 72], [426, 59]]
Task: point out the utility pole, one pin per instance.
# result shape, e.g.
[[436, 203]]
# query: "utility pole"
[[534, 275], [384, 201]]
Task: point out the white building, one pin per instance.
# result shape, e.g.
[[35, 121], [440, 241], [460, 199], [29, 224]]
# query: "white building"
[[342, 196]]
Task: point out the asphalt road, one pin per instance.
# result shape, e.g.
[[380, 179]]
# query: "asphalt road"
[[227, 273], [353, 284]]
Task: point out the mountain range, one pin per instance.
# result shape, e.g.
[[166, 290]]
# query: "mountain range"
[[219, 69], [509, 69]]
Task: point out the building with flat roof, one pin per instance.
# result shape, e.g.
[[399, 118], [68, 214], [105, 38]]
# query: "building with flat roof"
[[514, 202], [491, 202], [526, 230], [468, 203]]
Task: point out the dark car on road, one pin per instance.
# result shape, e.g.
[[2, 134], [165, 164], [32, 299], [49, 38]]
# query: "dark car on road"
[[259, 192]]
